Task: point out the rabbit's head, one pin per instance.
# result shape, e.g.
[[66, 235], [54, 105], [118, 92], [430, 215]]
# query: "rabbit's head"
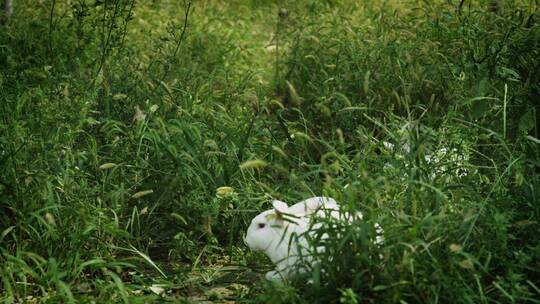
[[268, 228]]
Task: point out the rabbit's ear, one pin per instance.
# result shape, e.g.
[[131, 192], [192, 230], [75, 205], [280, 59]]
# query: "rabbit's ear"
[[311, 205], [280, 207]]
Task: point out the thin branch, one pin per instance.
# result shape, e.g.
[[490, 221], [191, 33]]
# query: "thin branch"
[[187, 5], [187, 8], [107, 33], [460, 5], [7, 8]]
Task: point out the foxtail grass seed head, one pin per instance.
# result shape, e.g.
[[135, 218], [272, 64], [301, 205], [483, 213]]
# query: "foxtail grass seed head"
[[139, 114], [455, 248], [276, 104], [50, 219], [270, 48], [28, 180], [283, 13], [224, 191], [254, 164], [119, 96], [253, 100], [466, 264], [341, 138], [142, 193], [211, 144], [279, 151], [179, 218], [106, 166], [294, 98]]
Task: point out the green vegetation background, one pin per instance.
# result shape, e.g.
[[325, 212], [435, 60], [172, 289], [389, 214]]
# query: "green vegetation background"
[[121, 119]]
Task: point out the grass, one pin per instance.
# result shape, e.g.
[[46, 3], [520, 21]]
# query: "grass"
[[138, 139]]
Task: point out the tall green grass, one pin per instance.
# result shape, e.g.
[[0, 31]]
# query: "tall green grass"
[[434, 79], [121, 119]]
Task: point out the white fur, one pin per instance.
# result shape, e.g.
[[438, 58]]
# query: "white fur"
[[279, 232]]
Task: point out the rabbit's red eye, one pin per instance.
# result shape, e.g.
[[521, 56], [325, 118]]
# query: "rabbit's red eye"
[[261, 225]]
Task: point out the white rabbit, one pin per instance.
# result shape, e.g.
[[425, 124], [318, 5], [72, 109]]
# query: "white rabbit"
[[279, 232], [310, 205], [438, 159]]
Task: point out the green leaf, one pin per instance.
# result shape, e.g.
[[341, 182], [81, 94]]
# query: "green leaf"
[[527, 122]]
